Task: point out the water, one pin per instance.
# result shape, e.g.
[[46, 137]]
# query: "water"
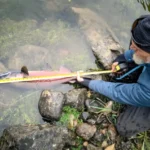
[[43, 34]]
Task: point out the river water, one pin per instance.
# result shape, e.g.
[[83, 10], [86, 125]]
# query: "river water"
[[43, 34]]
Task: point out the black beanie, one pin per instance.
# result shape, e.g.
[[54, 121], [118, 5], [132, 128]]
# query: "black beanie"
[[141, 33]]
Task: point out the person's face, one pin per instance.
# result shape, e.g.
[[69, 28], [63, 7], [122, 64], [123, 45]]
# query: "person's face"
[[139, 53]]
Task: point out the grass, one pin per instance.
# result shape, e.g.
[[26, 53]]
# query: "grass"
[[67, 114], [79, 144]]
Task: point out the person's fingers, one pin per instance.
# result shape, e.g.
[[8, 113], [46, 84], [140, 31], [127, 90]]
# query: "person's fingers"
[[114, 66], [79, 79]]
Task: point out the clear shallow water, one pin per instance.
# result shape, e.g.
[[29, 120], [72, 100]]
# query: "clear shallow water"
[[28, 26]]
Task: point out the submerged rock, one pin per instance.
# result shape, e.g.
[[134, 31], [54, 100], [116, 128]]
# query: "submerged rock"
[[30, 55], [99, 36], [51, 104], [34, 137]]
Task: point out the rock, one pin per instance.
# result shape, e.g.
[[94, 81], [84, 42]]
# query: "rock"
[[85, 144], [110, 147], [92, 147], [50, 105], [34, 137], [122, 145], [91, 121], [85, 130], [112, 132], [92, 105], [101, 119], [104, 144], [85, 116], [99, 36], [76, 98], [99, 137], [30, 55]]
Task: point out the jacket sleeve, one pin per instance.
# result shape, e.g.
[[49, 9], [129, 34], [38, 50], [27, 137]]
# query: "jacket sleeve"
[[132, 94]]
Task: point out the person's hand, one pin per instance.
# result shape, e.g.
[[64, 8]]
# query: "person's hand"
[[114, 66], [79, 79]]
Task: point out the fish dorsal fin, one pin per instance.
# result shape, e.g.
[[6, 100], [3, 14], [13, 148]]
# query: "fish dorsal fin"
[[24, 70], [64, 69]]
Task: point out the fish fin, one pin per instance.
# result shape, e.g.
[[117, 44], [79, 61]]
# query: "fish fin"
[[64, 69], [24, 70]]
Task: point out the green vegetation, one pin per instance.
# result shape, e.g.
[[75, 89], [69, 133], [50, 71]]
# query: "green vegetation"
[[79, 144], [67, 114], [141, 141]]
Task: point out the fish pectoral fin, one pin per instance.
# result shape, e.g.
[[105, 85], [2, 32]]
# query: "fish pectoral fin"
[[24, 70]]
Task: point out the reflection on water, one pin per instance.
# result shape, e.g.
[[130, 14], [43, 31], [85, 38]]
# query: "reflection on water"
[[40, 32]]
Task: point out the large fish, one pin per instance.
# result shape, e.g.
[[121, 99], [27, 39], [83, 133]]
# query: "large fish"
[[37, 84]]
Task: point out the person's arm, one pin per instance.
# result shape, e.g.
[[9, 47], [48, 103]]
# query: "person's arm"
[[132, 94], [85, 82]]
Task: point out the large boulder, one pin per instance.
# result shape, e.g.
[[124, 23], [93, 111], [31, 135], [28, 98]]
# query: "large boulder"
[[51, 104], [34, 137], [99, 36]]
